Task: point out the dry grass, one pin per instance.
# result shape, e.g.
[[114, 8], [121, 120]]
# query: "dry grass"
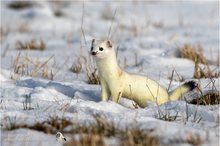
[[190, 139], [57, 7], [18, 5], [25, 66], [87, 140], [58, 13], [77, 65], [103, 127], [27, 102], [50, 126], [31, 45], [82, 63], [166, 116], [207, 99], [194, 140], [205, 72], [93, 77], [107, 13], [128, 137], [174, 76], [100, 127], [211, 97], [92, 135], [138, 137], [4, 33], [135, 29], [92, 73], [10, 123], [96, 134], [194, 53]]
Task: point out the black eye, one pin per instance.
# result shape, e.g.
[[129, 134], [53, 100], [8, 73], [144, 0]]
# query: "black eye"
[[91, 48], [101, 49]]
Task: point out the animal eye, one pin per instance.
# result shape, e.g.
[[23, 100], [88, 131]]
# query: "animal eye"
[[91, 48], [101, 49]]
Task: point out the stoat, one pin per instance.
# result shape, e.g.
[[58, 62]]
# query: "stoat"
[[117, 83]]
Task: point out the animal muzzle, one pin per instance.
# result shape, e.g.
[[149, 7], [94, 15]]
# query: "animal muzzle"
[[93, 53]]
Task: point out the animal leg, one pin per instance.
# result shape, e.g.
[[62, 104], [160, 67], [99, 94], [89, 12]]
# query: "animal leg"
[[104, 93]]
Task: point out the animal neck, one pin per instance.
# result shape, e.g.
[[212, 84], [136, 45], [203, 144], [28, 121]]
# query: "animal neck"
[[108, 66]]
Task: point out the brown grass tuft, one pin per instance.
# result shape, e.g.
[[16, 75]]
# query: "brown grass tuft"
[[96, 134], [166, 116], [100, 127], [57, 7], [93, 77], [87, 140], [31, 45], [4, 33], [107, 13], [193, 53], [77, 65], [103, 127], [189, 139], [212, 97], [194, 140], [91, 71], [18, 5], [205, 72], [50, 126], [208, 99], [137, 137], [25, 66]]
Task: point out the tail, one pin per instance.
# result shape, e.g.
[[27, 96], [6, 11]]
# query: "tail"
[[181, 90]]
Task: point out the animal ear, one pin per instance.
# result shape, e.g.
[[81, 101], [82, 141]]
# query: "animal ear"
[[109, 43], [92, 44], [93, 40]]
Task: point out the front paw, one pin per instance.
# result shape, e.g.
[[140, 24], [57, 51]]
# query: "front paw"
[[104, 99]]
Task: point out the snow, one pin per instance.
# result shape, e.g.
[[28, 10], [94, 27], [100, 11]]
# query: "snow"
[[27, 137], [152, 30]]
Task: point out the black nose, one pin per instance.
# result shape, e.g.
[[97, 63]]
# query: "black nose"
[[93, 53]]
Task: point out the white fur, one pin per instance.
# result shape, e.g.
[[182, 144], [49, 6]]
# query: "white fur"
[[117, 83], [60, 138]]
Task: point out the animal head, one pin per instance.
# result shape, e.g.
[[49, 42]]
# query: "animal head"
[[101, 49], [60, 137]]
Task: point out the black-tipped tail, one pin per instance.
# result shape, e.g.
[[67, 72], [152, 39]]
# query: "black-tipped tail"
[[191, 84], [181, 90]]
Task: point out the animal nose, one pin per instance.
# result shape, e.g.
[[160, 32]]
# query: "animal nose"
[[93, 53]]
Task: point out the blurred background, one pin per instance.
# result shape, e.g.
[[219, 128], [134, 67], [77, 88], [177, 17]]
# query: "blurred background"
[[65, 28]]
